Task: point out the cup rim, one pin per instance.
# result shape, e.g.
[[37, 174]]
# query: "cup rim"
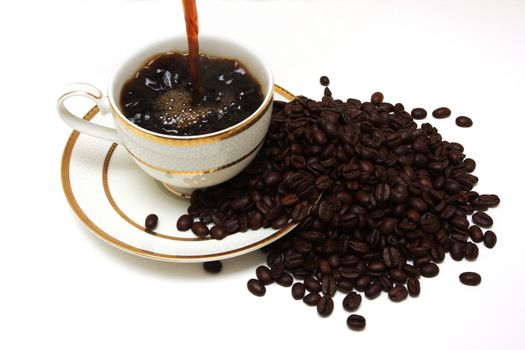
[[204, 138]]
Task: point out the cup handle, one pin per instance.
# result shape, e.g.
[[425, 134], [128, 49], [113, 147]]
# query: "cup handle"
[[79, 124]]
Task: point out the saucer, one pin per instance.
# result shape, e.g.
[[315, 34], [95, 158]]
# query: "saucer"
[[112, 196]]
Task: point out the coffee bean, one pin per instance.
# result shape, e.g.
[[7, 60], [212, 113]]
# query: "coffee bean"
[[276, 270], [352, 301], [475, 233], [377, 98], [212, 266], [199, 229], [482, 219], [312, 299], [398, 293], [151, 222], [490, 239], [391, 256], [298, 291], [264, 275], [325, 306], [312, 285], [184, 223], [324, 182], [429, 270], [285, 280], [329, 285], [256, 287], [441, 112], [464, 122], [356, 322], [490, 200], [414, 287], [419, 113], [324, 80], [217, 232], [470, 278], [471, 251], [373, 290]]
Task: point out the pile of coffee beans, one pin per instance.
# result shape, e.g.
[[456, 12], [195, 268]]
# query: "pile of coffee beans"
[[378, 201]]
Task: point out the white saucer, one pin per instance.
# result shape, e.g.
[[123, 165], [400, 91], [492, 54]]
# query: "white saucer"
[[111, 196]]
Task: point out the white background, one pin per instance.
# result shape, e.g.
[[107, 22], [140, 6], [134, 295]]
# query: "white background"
[[63, 288]]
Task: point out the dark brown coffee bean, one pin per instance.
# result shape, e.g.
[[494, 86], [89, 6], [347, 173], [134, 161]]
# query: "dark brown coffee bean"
[[441, 112], [298, 291], [377, 98], [218, 232], [429, 270], [329, 285], [184, 222], [419, 113], [482, 219], [312, 299], [464, 122], [312, 285], [255, 220], [324, 80], [475, 233], [398, 293], [325, 306], [470, 278], [471, 251], [398, 275], [285, 280], [356, 322], [256, 287], [240, 203], [382, 193], [276, 270], [289, 199], [200, 229], [490, 239], [456, 251], [264, 275], [324, 182], [212, 266], [151, 222], [373, 290], [414, 287], [272, 179], [490, 200], [352, 301], [391, 256]]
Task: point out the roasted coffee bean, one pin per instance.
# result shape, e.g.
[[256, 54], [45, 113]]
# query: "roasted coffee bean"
[[329, 285], [184, 223], [218, 232], [429, 270], [441, 112], [199, 229], [325, 306], [240, 203], [470, 278], [256, 287], [352, 301], [377, 98], [324, 80], [391, 256], [456, 251], [276, 270], [264, 275], [312, 299], [298, 291], [324, 182], [475, 233], [490, 200], [482, 219], [490, 239], [464, 122], [151, 222], [212, 266], [398, 275], [344, 285], [285, 280], [312, 285], [289, 199], [471, 251], [414, 287], [373, 290], [382, 193], [419, 113], [356, 322], [398, 293]]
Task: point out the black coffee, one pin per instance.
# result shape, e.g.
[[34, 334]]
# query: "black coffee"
[[159, 96]]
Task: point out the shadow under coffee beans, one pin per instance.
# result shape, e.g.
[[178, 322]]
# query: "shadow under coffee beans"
[[159, 97]]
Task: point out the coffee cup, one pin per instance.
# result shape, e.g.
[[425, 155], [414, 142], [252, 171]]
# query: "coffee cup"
[[181, 163]]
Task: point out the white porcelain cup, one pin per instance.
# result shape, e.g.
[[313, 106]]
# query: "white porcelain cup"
[[183, 163]]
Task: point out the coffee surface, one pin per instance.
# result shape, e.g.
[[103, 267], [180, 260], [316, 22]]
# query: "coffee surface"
[[159, 97]]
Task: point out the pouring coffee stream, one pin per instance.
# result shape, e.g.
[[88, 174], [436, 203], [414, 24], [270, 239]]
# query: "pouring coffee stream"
[[192, 32]]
